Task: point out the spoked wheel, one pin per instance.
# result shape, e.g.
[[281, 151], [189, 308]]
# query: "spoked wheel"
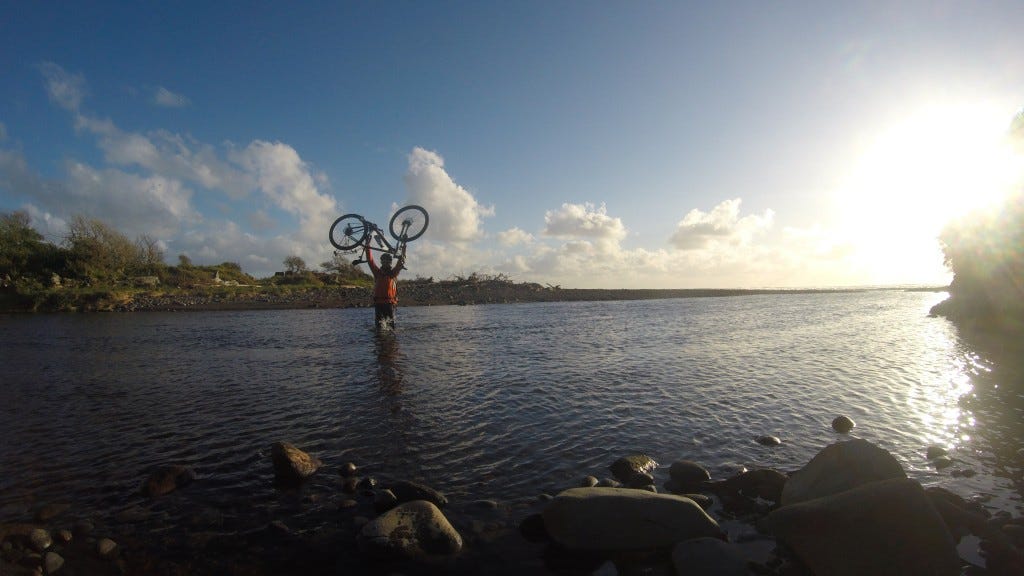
[[348, 231], [409, 223]]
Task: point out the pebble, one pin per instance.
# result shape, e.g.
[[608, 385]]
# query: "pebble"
[[106, 547], [934, 452], [843, 424], [348, 469], [769, 440], [52, 562], [588, 482], [40, 539]]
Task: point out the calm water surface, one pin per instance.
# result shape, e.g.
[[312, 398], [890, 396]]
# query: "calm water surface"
[[497, 402]]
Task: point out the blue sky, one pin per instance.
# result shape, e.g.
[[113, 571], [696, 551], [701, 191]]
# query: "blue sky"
[[587, 144]]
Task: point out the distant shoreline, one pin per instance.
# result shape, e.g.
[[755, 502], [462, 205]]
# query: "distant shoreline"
[[452, 294]]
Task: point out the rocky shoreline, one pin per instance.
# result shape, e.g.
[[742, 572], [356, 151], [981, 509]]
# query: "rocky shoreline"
[[850, 510]]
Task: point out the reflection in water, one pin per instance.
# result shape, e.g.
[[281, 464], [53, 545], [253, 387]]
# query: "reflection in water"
[[389, 370]]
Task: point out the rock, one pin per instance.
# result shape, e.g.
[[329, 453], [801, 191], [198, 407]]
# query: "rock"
[[167, 479], [588, 482], [384, 500], [348, 469], [843, 424], [106, 548], [367, 484], [624, 469], [688, 475], [934, 451], [606, 569], [292, 465], [887, 527], [39, 539], [942, 462], [132, 515], [705, 502], [609, 483], [350, 486], [50, 511], [411, 530], [766, 484], [768, 440], [708, 557], [838, 467], [64, 536], [52, 562], [406, 491], [614, 520], [83, 528]]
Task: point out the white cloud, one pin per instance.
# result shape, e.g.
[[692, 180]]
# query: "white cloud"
[[722, 225], [64, 88], [167, 99], [514, 236], [455, 215], [583, 221], [3, 132]]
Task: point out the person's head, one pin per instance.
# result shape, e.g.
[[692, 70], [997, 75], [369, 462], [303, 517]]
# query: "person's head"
[[385, 261]]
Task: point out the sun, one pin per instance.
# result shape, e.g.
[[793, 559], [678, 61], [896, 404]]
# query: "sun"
[[915, 175]]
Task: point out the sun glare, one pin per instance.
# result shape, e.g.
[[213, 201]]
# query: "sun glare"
[[921, 172]]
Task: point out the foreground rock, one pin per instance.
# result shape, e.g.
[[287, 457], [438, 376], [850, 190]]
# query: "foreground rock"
[[406, 491], [292, 465], [410, 531], [611, 519], [880, 528], [634, 470], [708, 557], [839, 467]]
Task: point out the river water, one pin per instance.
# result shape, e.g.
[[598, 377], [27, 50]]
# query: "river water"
[[493, 402]]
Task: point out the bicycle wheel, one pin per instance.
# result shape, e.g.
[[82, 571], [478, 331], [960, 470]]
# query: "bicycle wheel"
[[348, 232], [409, 223]]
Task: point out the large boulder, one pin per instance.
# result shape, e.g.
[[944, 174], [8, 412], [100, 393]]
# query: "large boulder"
[[614, 519], [881, 528], [292, 465], [839, 467], [408, 531]]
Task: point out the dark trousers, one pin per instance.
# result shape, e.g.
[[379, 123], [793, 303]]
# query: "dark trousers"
[[384, 315]]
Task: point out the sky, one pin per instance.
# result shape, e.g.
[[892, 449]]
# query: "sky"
[[591, 144]]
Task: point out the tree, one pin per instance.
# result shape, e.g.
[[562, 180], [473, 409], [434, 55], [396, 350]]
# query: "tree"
[[151, 255], [98, 252], [184, 261], [19, 241], [294, 265]]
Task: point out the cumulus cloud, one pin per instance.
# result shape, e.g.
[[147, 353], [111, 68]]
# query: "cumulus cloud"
[[167, 99], [514, 236], [455, 215], [722, 225], [587, 222]]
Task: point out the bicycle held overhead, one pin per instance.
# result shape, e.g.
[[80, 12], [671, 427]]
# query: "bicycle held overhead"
[[352, 231]]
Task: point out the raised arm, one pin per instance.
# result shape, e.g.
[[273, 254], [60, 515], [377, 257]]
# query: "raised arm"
[[368, 254]]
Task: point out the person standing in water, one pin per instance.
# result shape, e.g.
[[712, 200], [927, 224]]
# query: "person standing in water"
[[385, 285]]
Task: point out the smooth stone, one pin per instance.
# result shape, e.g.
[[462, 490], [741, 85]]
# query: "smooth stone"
[[839, 467], [167, 479], [40, 539], [348, 469], [410, 530], [624, 469], [384, 500], [350, 486], [406, 491], [52, 562], [64, 536], [588, 482], [609, 483], [767, 440], [843, 424], [942, 462], [934, 451], [766, 484], [705, 502], [686, 473], [708, 557], [610, 519], [106, 547], [887, 527], [292, 465]]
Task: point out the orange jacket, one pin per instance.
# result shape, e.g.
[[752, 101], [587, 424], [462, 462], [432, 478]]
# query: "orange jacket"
[[385, 288]]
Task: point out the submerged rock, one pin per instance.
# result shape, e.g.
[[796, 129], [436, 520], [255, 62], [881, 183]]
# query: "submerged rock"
[[613, 520], [767, 440], [167, 479], [633, 469], [406, 491], [843, 424], [292, 465], [887, 527]]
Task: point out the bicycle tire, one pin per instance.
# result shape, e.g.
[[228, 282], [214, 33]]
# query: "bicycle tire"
[[353, 232], [413, 219]]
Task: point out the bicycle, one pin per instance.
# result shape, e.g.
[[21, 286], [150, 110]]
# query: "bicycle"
[[406, 225]]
